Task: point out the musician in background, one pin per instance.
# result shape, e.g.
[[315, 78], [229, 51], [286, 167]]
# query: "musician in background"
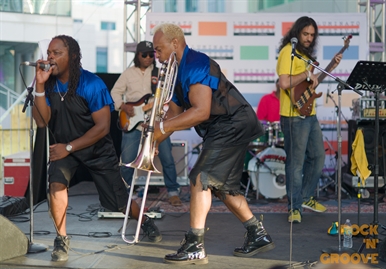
[[303, 139], [269, 106], [204, 99], [134, 83], [75, 105]]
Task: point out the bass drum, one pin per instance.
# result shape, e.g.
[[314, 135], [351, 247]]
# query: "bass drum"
[[267, 173]]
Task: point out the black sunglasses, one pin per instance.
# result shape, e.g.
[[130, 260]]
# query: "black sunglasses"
[[145, 54]]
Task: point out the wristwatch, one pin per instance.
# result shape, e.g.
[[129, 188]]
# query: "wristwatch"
[[309, 76], [69, 147]]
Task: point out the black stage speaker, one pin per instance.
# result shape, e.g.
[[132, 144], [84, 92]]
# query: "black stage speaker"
[[382, 250], [13, 242], [179, 152], [116, 134], [368, 128]]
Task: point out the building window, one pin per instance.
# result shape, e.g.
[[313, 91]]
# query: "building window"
[[258, 5], [274, 3], [107, 25], [47, 7], [170, 6], [191, 6], [101, 60], [216, 6]]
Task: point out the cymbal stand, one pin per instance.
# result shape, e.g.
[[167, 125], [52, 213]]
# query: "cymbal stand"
[[340, 87], [338, 113]]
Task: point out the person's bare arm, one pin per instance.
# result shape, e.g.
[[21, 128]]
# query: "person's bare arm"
[[200, 97], [41, 112], [286, 81]]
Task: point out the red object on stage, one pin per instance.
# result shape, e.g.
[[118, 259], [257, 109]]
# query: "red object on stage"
[[16, 174]]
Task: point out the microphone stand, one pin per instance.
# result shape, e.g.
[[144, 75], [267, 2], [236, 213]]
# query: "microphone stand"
[[341, 85], [32, 247], [338, 113]]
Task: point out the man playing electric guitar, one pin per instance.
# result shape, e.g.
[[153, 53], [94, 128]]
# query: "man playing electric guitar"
[[131, 114], [302, 133], [135, 85]]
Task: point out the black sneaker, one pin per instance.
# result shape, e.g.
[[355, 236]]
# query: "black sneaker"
[[152, 232], [256, 240], [192, 251], [61, 246]]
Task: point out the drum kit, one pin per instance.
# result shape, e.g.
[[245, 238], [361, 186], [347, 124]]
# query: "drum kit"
[[265, 162]]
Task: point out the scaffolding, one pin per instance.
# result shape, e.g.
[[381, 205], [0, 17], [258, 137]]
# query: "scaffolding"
[[134, 14], [375, 11]]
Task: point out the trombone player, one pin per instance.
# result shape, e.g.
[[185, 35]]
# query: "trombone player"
[[204, 99]]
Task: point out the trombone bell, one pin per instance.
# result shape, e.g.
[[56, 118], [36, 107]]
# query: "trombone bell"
[[145, 158]]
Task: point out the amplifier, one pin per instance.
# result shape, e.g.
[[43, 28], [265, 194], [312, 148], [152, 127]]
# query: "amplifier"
[[369, 182], [180, 155], [367, 108]]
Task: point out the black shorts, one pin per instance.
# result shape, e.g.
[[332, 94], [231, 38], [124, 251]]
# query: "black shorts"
[[220, 169], [108, 181]]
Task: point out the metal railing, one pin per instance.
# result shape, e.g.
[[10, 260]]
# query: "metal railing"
[[14, 124]]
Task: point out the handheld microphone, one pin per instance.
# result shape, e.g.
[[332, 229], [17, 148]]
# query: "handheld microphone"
[[43, 66], [328, 93], [294, 42]]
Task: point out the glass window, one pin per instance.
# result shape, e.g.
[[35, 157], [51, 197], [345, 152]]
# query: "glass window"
[[101, 60], [191, 6], [11, 5], [255, 5], [273, 3], [48, 7], [107, 25], [170, 5], [216, 6]]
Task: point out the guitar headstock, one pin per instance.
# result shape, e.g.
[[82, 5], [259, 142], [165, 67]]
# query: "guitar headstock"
[[346, 40]]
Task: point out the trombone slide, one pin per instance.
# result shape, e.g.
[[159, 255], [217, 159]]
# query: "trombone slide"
[[123, 232]]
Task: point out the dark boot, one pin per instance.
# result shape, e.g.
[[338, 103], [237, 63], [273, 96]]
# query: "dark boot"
[[256, 240], [60, 252], [192, 251], [152, 232]]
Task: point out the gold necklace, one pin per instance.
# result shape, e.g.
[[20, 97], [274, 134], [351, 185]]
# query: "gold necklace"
[[61, 97]]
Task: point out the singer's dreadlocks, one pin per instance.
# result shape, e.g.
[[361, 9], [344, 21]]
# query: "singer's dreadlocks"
[[296, 30], [74, 57]]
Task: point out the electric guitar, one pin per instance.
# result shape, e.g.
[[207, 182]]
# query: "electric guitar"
[[303, 96], [128, 124]]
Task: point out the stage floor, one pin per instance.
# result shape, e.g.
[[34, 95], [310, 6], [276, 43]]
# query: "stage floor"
[[96, 242]]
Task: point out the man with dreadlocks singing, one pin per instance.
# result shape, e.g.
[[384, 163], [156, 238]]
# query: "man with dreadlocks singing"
[[76, 109]]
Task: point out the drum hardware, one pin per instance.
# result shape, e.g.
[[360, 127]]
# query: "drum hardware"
[[324, 181], [267, 173], [273, 136]]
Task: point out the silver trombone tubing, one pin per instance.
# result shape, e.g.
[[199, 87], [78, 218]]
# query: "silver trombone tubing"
[[145, 157]]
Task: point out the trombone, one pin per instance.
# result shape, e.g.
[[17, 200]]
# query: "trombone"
[[144, 160]]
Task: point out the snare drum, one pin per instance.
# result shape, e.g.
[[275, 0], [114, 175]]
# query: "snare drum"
[[278, 134]]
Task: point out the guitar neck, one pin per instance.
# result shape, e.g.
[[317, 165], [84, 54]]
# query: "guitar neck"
[[329, 66]]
